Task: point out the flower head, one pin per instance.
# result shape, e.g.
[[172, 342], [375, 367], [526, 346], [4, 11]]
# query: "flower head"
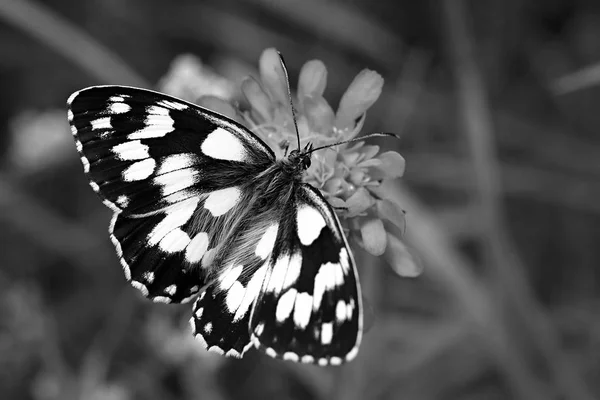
[[348, 175]]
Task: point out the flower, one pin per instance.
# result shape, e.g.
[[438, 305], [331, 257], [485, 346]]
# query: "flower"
[[349, 174]]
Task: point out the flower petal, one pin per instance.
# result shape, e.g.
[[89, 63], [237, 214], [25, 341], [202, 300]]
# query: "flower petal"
[[369, 151], [364, 90], [359, 202], [392, 165], [373, 236], [349, 158], [272, 76], [258, 99], [337, 202], [312, 79], [402, 261], [333, 186], [189, 79], [320, 114], [387, 209], [356, 176]]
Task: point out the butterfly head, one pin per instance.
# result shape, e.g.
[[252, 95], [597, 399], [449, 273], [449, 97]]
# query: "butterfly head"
[[301, 158]]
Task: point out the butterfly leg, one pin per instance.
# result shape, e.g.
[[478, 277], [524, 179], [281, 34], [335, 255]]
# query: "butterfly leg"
[[345, 209], [286, 146]]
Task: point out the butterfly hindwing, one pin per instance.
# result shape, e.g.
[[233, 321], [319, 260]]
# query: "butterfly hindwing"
[[309, 308], [173, 174], [222, 313]]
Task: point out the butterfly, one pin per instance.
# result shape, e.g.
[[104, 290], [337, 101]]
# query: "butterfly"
[[203, 210]]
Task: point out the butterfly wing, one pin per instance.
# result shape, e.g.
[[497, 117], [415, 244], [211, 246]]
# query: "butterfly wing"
[[172, 172], [310, 306], [298, 292]]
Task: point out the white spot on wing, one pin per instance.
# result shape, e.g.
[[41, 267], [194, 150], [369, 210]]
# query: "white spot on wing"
[[352, 353], [271, 352], [326, 333], [235, 296], [215, 349], [208, 327], [349, 309], [198, 336], [70, 115], [175, 162], [171, 290], [230, 276], [176, 216], [172, 104], [174, 241], [252, 292], [302, 309], [290, 356], [221, 201], [259, 329], [233, 353], [101, 123], [148, 276], [116, 99], [122, 201], [175, 181], [329, 276], [278, 274], [285, 273], [323, 362], [267, 242], [161, 299], [293, 270], [86, 164], [157, 110], [223, 145], [141, 287], [340, 311], [310, 223], [285, 305], [307, 359], [139, 171], [196, 248], [152, 131], [129, 151], [335, 361], [119, 108]]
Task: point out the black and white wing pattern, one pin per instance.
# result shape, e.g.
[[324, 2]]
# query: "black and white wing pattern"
[[310, 304], [202, 208], [300, 286], [169, 170]]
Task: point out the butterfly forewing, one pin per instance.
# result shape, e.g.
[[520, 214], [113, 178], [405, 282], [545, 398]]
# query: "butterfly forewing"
[[144, 151]]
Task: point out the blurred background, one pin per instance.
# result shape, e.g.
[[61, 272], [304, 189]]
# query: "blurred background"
[[496, 103]]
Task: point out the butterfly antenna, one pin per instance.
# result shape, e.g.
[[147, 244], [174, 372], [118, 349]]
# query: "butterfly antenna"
[[287, 82], [356, 140]]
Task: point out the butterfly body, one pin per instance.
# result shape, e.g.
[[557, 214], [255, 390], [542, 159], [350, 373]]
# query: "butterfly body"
[[202, 209]]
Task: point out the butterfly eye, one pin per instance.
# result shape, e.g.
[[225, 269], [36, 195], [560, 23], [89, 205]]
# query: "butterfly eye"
[[306, 162]]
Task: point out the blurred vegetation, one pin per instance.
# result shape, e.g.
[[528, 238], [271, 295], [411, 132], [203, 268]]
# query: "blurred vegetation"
[[497, 106]]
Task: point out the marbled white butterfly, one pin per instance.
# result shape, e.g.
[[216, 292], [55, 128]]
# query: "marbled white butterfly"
[[203, 209]]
